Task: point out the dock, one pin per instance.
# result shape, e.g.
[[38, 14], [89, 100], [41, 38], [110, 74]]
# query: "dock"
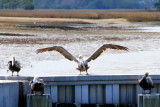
[[77, 90]]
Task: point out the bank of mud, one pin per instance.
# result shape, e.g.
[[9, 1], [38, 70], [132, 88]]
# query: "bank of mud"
[[23, 39]]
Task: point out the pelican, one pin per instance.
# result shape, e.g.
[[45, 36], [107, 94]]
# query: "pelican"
[[37, 85], [82, 64], [14, 66], [146, 82]]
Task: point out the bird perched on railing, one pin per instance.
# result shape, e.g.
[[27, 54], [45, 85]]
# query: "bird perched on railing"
[[14, 66], [82, 64], [37, 85], [146, 83]]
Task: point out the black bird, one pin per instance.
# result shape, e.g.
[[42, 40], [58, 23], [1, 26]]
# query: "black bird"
[[14, 66], [82, 64], [146, 82], [37, 85]]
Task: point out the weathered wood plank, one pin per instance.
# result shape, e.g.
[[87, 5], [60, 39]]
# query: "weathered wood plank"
[[108, 94], [100, 95], [123, 94], [47, 90], [69, 94], [61, 94], [54, 94], [93, 94], [78, 94], [131, 94], [38, 100], [9, 94], [148, 100], [85, 96], [116, 94], [138, 91]]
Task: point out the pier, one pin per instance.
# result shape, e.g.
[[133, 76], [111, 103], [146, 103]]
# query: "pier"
[[91, 89]]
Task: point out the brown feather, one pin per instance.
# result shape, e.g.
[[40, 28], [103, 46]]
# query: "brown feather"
[[59, 49], [103, 48]]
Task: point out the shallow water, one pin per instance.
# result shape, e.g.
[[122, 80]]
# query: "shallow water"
[[111, 64], [150, 29], [128, 63]]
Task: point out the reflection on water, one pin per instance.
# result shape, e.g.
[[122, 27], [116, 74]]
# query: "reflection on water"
[[150, 29], [123, 63]]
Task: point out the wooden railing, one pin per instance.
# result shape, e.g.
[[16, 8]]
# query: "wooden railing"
[[92, 89]]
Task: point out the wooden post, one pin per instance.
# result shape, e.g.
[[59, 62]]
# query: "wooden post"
[[140, 100], [39, 100], [148, 100]]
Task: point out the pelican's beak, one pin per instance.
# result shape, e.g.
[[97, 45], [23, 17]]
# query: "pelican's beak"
[[36, 79], [12, 58]]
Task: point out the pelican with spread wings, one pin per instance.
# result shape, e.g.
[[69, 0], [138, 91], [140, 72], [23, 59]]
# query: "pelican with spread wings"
[[82, 64]]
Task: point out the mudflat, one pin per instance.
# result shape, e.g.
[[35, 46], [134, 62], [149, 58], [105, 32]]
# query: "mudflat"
[[22, 36]]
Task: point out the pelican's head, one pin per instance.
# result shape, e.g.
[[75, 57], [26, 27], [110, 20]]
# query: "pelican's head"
[[12, 57], [80, 57], [146, 74], [35, 79]]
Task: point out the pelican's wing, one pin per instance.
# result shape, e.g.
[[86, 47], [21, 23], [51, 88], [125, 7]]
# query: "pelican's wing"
[[149, 81], [103, 48], [59, 49], [17, 64]]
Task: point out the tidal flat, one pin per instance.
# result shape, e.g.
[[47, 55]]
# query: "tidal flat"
[[21, 37]]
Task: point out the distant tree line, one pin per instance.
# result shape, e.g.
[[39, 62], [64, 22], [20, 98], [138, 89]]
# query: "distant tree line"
[[157, 5], [14, 4], [94, 4], [9, 4], [78, 4]]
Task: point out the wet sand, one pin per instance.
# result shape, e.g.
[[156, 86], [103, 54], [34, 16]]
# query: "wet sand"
[[23, 37]]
